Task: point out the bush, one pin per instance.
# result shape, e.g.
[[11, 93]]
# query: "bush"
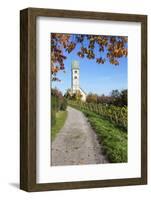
[[53, 110], [58, 102], [63, 104], [91, 98]]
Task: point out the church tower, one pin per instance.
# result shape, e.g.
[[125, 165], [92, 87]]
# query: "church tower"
[[75, 76], [75, 80]]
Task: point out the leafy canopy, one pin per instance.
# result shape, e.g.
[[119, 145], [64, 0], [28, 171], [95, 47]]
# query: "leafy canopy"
[[114, 48]]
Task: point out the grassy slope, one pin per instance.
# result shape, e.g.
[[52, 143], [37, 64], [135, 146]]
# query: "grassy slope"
[[112, 138], [60, 120]]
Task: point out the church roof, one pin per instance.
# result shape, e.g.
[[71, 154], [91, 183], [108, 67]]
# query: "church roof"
[[75, 64], [83, 91]]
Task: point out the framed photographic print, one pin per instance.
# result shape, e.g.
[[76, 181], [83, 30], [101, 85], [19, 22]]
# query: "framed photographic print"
[[83, 99]]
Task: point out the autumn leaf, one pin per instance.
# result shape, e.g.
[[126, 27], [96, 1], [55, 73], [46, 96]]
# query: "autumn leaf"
[[114, 46]]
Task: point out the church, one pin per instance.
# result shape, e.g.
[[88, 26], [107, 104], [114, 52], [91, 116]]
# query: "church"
[[75, 80]]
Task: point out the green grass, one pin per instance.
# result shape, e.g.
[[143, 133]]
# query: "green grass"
[[60, 120], [112, 138]]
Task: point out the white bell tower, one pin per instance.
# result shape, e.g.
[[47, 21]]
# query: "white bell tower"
[[75, 76]]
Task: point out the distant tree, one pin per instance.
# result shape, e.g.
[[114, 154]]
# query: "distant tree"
[[123, 97], [117, 98], [68, 94], [115, 93], [58, 102], [91, 98], [73, 96], [114, 47], [104, 99], [77, 96], [56, 92]]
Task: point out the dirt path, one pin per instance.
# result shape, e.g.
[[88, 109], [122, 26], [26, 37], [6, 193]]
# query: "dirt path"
[[76, 142]]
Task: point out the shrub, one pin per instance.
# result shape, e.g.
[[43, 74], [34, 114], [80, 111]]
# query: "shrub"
[[63, 104], [53, 110], [58, 102]]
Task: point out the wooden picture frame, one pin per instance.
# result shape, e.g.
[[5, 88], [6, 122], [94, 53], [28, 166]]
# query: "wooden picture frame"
[[28, 98]]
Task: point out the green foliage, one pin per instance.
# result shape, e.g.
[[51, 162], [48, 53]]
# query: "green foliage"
[[53, 110], [77, 96], [63, 104], [119, 98], [60, 120], [115, 114], [123, 97], [113, 139], [68, 94], [58, 102], [73, 96]]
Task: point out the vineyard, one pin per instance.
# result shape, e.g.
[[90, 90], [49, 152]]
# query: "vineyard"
[[115, 114], [110, 124]]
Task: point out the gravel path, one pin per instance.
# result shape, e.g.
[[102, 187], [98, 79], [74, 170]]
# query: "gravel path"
[[76, 143]]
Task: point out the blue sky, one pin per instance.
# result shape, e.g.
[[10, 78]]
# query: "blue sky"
[[95, 78]]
